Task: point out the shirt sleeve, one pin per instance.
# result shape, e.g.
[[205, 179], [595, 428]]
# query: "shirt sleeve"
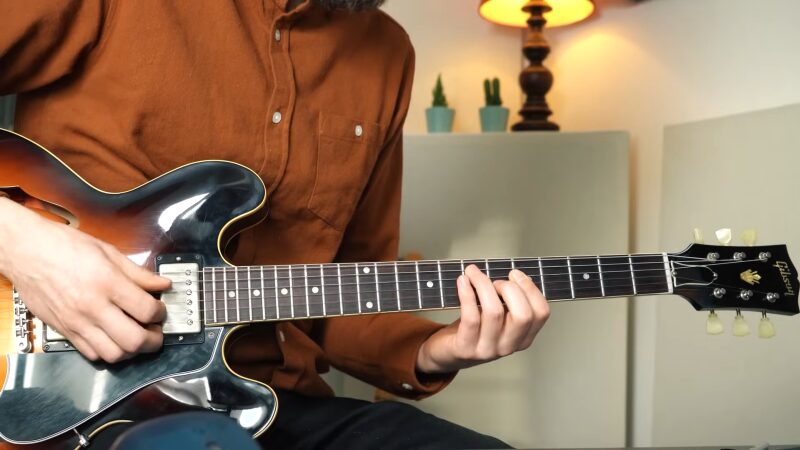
[[43, 41], [382, 349]]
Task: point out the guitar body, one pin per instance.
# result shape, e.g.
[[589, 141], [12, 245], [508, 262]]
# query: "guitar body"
[[56, 399]]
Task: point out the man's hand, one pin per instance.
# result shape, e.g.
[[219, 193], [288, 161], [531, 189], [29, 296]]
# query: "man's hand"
[[84, 288], [488, 333]]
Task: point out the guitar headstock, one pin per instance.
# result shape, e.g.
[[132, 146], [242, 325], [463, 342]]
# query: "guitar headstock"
[[721, 277]]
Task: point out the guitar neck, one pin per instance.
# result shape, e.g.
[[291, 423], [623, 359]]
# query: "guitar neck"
[[284, 292]]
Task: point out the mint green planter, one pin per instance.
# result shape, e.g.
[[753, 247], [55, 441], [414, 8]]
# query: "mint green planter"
[[493, 118], [439, 119]]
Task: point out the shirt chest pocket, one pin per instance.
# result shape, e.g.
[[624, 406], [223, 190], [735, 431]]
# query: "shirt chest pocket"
[[347, 150]]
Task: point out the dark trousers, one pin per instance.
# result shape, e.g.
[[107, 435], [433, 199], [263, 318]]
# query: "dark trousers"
[[345, 423]]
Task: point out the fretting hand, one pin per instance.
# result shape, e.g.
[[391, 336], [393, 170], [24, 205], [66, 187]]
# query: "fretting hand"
[[82, 287], [491, 331]]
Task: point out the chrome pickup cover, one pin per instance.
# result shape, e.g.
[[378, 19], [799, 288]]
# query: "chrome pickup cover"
[[183, 312]]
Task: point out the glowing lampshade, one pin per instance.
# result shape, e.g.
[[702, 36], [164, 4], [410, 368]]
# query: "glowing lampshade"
[[509, 12]]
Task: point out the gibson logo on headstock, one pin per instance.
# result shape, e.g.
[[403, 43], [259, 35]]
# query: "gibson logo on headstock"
[[786, 274], [750, 276]]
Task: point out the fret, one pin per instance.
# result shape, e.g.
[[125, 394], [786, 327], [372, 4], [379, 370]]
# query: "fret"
[[283, 288], [269, 301], [600, 275], [339, 276], [441, 289], [297, 291], [397, 283], [499, 268], [530, 267], [388, 287], [216, 303], [486, 264], [479, 263], [541, 277], [513, 265], [368, 294], [331, 289], [428, 277], [408, 289], [451, 270], [322, 288], [649, 274], [350, 290], [586, 277], [633, 279], [314, 291], [571, 281], [249, 294], [277, 296], [616, 275], [419, 291], [236, 290], [555, 273], [225, 292], [377, 286]]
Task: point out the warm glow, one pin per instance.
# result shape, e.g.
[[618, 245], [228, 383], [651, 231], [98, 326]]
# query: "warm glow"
[[509, 12]]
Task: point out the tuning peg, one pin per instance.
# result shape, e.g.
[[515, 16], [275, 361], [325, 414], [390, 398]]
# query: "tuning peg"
[[766, 329], [697, 233], [724, 236], [749, 237], [740, 327], [713, 324]]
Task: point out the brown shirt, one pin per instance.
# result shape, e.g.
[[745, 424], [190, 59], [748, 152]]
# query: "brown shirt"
[[124, 91]]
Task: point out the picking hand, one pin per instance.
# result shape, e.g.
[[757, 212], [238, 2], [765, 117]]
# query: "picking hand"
[[84, 288], [491, 331]]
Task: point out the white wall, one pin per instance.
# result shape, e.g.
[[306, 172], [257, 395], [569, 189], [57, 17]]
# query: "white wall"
[[636, 67]]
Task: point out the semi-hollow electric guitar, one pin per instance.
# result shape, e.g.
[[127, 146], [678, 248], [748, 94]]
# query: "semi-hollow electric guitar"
[[178, 224]]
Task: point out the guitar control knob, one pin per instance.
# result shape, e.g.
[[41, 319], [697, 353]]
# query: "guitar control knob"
[[746, 294], [772, 297], [719, 292]]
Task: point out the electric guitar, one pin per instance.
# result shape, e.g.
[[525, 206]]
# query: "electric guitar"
[[178, 224]]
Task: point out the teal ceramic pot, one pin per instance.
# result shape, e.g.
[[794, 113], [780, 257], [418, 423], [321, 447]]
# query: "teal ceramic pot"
[[440, 119], [493, 118]]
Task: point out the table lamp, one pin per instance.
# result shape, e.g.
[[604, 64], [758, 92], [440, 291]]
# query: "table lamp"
[[535, 79]]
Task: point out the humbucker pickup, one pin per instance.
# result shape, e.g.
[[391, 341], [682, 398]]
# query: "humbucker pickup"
[[183, 312]]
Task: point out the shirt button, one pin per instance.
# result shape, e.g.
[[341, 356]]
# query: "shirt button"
[[276, 118], [281, 336], [407, 386], [277, 35], [359, 131]]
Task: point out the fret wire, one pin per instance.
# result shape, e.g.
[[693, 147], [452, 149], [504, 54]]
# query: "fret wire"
[[214, 293], [305, 277], [512, 264], [358, 289], [541, 278], [571, 283], [249, 293], [339, 272], [263, 294], [377, 287], [633, 279], [486, 262], [397, 284], [277, 300], [225, 292], [291, 291], [236, 283], [600, 274], [322, 288], [419, 289], [441, 285]]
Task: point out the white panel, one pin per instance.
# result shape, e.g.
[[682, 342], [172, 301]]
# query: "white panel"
[[738, 172]]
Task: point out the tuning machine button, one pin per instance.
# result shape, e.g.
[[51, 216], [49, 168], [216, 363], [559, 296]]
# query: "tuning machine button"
[[713, 324], [766, 329], [697, 234], [746, 294], [723, 236], [740, 327], [749, 237]]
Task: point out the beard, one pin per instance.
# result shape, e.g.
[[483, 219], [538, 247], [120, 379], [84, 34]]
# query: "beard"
[[350, 5]]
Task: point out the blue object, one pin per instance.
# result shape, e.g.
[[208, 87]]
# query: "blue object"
[[440, 119], [187, 431]]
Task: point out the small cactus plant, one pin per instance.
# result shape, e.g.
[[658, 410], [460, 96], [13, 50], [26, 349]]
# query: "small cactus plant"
[[439, 98], [492, 92]]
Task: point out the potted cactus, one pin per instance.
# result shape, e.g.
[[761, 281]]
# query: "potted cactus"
[[439, 116], [494, 116]]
